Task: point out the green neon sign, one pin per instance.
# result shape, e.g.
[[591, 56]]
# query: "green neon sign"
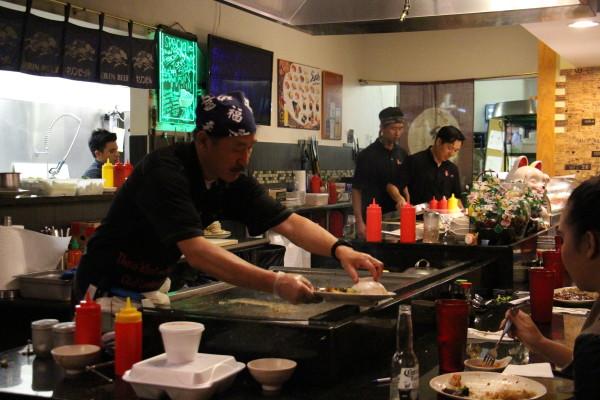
[[177, 82]]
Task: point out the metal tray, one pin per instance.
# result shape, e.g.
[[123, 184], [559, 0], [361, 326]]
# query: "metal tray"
[[45, 285]]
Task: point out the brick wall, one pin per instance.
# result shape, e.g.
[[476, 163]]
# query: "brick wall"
[[577, 122]]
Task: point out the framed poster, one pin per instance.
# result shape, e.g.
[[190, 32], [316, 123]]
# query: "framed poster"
[[332, 106], [298, 96]]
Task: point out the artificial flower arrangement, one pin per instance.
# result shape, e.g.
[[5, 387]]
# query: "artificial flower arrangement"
[[502, 209]]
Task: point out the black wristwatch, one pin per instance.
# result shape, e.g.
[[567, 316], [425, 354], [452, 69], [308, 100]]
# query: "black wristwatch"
[[340, 242]]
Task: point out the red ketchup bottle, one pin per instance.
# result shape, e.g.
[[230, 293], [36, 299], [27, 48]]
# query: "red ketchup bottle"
[[408, 224], [443, 205], [433, 204], [332, 193], [127, 170], [315, 184], [88, 321], [373, 222], [128, 338], [119, 174]]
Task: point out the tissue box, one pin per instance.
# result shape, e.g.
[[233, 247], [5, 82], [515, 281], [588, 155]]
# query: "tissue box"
[[316, 199]]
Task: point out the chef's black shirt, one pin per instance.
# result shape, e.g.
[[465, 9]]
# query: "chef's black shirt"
[[425, 179], [377, 166], [165, 201]]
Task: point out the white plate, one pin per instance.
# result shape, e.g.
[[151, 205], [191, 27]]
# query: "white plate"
[[481, 382], [222, 235], [574, 302], [352, 298]]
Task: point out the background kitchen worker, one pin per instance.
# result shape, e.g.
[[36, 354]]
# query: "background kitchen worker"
[[103, 145], [430, 172], [173, 193], [376, 166]]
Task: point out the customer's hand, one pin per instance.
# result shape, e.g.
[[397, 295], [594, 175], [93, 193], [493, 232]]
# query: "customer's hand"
[[353, 260], [294, 288], [361, 229], [523, 328]]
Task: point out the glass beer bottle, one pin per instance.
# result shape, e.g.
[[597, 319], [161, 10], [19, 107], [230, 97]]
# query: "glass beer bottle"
[[405, 365]]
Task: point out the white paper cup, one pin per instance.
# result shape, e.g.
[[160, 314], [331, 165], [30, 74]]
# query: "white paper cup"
[[181, 340]]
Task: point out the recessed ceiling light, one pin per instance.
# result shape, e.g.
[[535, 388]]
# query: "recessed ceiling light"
[[583, 24]]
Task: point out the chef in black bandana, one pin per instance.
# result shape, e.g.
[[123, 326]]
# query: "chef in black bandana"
[[175, 192]]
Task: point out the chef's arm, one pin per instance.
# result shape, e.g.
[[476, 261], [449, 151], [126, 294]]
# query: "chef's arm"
[[357, 208], [398, 198], [314, 239], [226, 266]]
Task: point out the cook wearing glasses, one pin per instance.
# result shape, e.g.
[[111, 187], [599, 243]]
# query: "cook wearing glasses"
[[430, 172]]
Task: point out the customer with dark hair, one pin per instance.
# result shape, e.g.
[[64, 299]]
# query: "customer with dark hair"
[[430, 173], [103, 145], [175, 192], [377, 165], [580, 230]]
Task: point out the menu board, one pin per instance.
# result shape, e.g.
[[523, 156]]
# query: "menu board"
[[177, 82], [332, 106], [299, 96]]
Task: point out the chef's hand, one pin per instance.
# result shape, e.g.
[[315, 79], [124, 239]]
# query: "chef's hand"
[[523, 328], [360, 229], [353, 260], [294, 288], [400, 203]]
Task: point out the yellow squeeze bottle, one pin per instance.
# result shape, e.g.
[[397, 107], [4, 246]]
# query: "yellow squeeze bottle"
[[108, 174], [452, 203]]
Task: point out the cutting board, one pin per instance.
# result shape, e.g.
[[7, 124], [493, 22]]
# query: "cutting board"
[[223, 242]]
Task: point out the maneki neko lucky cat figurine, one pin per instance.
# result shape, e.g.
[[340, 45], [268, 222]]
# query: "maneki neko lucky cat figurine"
[[536, 180]]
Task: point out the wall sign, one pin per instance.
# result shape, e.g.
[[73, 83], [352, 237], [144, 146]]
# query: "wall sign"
[[299, 96], [578, 167], [177, 80], [588, 121]]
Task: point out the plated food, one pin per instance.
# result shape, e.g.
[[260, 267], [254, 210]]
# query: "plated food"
[[574, 295], [365, 291], [477, 364], [487, 386], [215, 231]]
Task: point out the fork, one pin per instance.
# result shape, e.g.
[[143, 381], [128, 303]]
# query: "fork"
[[490, 357]]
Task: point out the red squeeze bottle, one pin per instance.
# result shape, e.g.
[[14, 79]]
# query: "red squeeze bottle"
[[128, 338], [127, 170], [315, 184], [332, 193], [433, 204], [88, 321], [119, 174], [408, 224], [443, 204], [373, 222]]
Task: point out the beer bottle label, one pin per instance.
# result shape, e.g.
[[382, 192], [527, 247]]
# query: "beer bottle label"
[[409, 379]]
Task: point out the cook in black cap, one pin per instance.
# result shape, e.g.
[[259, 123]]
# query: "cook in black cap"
[[175, 192], [376, 166]]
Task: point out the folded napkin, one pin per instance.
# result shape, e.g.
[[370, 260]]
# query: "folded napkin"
[[535, 370], [486, 336], [572, 311]]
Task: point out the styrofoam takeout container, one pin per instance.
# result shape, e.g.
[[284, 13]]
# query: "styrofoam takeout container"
[[197, 380]]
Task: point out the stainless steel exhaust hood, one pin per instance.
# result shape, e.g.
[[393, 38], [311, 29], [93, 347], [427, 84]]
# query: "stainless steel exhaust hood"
[[514, 108], [337, 17]]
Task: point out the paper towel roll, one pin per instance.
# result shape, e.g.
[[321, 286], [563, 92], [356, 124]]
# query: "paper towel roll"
[[300, 181]]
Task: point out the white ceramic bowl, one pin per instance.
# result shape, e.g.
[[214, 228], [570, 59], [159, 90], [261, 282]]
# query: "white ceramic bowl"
[[271, 373], [476, 364], [75, 357], [181, 340]]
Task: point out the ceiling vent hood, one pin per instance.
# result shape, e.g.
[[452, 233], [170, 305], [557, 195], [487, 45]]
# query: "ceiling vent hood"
[[339, 17], [517, 108]]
